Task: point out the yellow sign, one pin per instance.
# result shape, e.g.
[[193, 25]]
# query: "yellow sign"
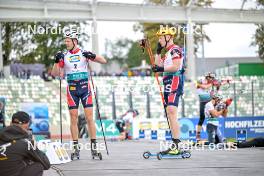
[[145, 125], [163, 125]]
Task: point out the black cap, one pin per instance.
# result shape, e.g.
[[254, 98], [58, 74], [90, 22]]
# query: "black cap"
[[20, 117]]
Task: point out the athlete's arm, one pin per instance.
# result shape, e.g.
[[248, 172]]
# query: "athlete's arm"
[[175, 67], [93, 57], [177, 60], [100, 59], [215, 113], [55, 70], [225, 112], [204, 86]]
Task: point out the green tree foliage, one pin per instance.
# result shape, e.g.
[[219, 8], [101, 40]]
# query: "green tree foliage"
[[134, 56], [259, 35], [12, 35], [150, 29], [117, 50], [35, 42]]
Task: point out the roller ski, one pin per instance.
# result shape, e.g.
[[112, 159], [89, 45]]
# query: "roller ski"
[[76, 153], [95, 153], [173, 152], [177, 154]]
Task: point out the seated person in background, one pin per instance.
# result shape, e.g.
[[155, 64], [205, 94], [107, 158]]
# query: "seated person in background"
[[124, 124], [120, 125]]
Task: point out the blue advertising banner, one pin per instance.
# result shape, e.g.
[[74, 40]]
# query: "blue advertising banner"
[[39, 115], [254, 126], [190, 124]]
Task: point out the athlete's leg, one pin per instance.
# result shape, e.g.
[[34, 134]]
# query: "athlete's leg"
[[172, 112], [172, 91], [219, 135], [90, 122], [211, 132], [201, 120], [172, 100], [73, 104], [87, 102], [74, 124], [91, 129]]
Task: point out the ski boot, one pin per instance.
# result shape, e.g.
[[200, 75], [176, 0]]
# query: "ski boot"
[[94, 151], [76, 152], [174, 152]]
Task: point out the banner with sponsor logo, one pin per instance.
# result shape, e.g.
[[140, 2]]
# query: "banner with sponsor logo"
[[39, 116], [254, 126], [55, 151], [150, 128], [109, 128]]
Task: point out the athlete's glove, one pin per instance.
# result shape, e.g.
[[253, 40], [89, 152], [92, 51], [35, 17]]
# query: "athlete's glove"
[[59, 56], [228, 102], [89, 55], [157, 68], [159, 48]]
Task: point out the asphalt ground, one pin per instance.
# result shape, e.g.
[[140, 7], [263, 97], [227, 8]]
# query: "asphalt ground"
[[126, 158]]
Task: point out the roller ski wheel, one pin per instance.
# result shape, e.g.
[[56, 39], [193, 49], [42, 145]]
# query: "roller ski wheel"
[[159, 156], [99, 156], [75, 154], [186, 154], [146, 155]]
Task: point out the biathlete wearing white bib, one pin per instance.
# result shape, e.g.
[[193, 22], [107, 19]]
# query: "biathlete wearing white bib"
[[75, 68]]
